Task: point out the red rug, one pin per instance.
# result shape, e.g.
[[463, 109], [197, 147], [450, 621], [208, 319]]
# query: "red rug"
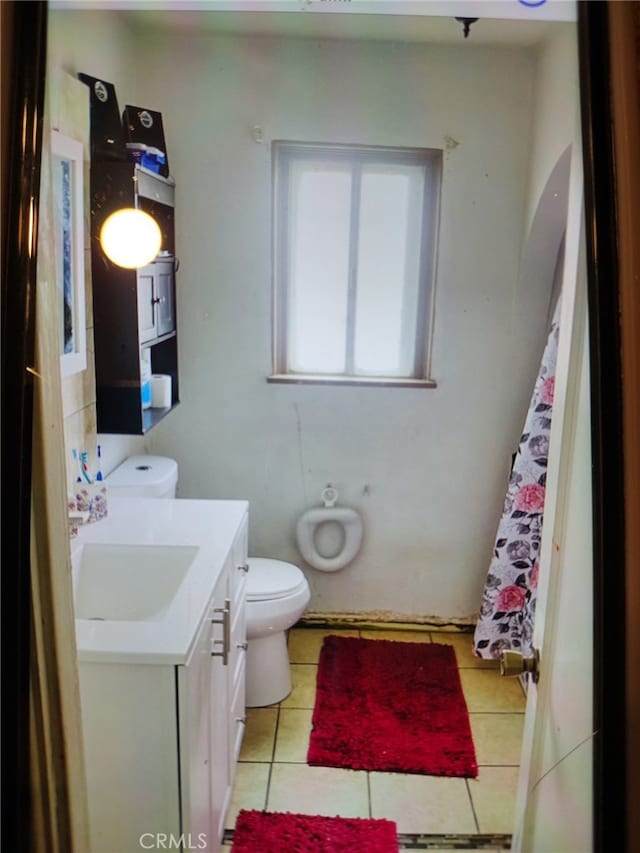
[[391, 706], [273, 832]]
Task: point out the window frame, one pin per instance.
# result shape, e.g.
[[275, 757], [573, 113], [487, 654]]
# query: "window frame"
[[284, 153]]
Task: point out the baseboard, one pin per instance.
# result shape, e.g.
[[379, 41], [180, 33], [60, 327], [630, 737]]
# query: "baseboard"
[[384, 619], [435, 842], [431, 841], [427, 841]]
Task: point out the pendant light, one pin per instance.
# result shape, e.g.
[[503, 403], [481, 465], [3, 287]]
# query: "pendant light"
[[130, 238]]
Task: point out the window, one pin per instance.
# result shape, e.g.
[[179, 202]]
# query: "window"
[[354, 255]]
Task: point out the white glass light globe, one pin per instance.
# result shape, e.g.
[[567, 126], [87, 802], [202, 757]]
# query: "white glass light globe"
[[130, 238]]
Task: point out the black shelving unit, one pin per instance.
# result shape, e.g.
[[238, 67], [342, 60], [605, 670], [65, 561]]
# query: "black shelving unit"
[[124, 301], [133, 310]]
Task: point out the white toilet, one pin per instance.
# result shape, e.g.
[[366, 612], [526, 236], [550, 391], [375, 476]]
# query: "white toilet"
[[277, 592], [277, 596], [144, 477]]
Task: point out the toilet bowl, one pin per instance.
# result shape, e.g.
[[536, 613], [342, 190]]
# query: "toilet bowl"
[[277, 596], [277, 592], [309, 525]]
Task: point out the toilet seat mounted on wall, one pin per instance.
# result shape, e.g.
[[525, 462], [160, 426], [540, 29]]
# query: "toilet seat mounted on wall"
[[309, 523]]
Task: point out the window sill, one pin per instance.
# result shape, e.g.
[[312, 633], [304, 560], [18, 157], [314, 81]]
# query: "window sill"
[[328, 379]]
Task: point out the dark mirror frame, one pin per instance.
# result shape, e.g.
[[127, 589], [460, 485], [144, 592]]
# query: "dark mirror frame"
[[609, 757], [24, 34], [24, 29]]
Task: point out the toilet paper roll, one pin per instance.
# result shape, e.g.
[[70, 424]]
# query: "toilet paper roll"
[[160, 391]]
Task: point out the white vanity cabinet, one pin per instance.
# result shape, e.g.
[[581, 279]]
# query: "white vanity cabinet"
[[226, 645], [161, 740]]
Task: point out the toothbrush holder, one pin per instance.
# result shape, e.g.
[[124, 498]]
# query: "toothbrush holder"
[[91, 498]]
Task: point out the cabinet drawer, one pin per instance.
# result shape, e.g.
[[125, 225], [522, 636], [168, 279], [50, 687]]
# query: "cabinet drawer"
[[237, 655], [238, 580], [238, 714], [238, 610], [240, 545]]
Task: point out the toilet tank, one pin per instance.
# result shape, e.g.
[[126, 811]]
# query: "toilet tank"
[[144, 477]]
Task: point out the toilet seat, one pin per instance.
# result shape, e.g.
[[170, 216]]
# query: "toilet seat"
[[307, 527], [270, 580]]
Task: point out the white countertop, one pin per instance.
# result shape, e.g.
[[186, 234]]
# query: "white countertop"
[[209, 525]]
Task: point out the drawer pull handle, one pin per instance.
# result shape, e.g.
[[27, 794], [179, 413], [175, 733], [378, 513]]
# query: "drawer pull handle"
[[225, 642], [243, 568], [242, 646]]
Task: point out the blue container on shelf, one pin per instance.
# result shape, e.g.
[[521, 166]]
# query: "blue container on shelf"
[[147, 156], [145, 379]]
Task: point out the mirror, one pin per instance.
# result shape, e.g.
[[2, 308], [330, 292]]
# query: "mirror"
[[212, 156]]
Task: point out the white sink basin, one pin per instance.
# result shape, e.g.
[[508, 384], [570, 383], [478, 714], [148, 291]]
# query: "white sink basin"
[[128, 583], [143, 577]]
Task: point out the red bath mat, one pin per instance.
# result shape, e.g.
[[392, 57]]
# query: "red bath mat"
[[391, 706], [274, 832]]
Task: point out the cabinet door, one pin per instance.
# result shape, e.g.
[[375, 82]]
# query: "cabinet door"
[[219, 711], [130, 734], [194, 689], [146, 304], [211, 691], [164, 297], [238, 589]]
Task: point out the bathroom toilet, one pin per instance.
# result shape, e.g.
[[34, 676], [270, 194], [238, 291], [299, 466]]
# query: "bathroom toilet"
[[277, 596], [277, 592], [144, 477]]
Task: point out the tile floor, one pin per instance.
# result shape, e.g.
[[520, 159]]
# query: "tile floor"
[[273, 774]]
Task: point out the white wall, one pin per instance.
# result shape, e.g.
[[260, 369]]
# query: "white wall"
[[555, 105], [555, 112], [96, 43], [558, 799], [559, 806], [426, 468], [432, 462]]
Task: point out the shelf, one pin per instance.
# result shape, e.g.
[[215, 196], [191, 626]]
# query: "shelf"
[[127, 303], [150, 417], [160, 340]]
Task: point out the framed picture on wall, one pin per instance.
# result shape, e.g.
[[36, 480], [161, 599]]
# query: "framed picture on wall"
[[68, 200]]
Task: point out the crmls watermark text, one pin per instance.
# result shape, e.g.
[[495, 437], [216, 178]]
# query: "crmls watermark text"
[[168, 841]]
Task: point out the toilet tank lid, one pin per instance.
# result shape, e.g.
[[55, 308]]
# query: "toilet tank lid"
[[272, 579], [155, 472]]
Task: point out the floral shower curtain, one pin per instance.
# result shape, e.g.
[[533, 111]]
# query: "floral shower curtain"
[[509, 600]]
